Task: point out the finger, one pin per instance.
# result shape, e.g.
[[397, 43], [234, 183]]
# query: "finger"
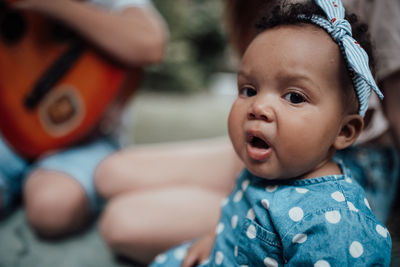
[[190, 260], [202, 259]]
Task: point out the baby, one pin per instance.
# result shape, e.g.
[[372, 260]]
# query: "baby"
[[304, 85]]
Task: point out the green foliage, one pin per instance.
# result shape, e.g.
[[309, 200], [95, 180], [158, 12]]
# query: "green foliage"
[[196, 47]]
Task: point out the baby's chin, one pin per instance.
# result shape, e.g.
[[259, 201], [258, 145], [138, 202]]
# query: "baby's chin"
[[273, 175], [273, 170], [265, 175]]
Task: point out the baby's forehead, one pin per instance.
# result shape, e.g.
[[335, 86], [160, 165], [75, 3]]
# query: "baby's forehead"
[[303, 50], [300, 34], [296, 44]]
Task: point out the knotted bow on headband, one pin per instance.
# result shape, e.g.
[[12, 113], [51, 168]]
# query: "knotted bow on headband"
[[357, 59]]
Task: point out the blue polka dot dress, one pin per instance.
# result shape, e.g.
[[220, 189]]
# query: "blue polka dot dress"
[[324, 221]]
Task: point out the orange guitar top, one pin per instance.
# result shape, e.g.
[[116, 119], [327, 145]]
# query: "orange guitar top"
[[70, 108]]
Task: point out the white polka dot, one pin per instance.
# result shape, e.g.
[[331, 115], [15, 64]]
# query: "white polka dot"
[[299, 238], [356, 249], [220, 228], [322, 263], [296, 214], [161, 258], [366, 203], [351, 206], [219, 257], [301, 190], [206, 261], [245, 184], [244, 266], [270, 262], [333, 216], [224, 201], [348, 180], [251, 215], [238, 196], [235, 251], [265, 203], [180, 254], [338, 196], [381, 230], [234, 221], [251, 232], [271, 188]]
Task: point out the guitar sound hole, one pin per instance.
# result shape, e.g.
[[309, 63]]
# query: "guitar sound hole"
[[61, 110], [12, 27]]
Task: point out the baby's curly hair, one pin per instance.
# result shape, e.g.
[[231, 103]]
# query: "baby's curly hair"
[[289, 13]]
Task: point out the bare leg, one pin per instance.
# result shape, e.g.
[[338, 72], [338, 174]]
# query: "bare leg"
[[55, 203], [210, 164], [162, 195], [141, 225]]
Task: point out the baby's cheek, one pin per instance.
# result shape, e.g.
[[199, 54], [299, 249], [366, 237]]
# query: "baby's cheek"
[[295, 142], [298, 150], [235, 127]]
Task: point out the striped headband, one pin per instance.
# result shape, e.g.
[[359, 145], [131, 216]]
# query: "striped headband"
[[356, 57]]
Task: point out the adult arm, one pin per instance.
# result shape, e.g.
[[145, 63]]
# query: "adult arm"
[[134, 35]]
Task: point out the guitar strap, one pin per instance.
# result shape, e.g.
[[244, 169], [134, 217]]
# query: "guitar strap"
[[53, 74]]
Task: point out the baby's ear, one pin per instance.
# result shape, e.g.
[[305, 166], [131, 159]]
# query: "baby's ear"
[[351, 129]]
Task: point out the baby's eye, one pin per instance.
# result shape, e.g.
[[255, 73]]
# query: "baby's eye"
[[248, 91], [295, 98]]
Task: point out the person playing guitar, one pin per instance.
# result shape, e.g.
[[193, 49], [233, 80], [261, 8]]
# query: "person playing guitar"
[[60, 99]]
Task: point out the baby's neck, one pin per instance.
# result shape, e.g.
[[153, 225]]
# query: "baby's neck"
[[329, 167]]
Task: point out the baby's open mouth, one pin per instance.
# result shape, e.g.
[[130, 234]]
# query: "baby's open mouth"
[[257, 142], [257, 148]]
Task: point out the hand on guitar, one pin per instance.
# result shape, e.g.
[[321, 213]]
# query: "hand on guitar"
[[131, 36]]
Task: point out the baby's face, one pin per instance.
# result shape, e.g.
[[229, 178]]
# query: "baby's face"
[[288, 111]]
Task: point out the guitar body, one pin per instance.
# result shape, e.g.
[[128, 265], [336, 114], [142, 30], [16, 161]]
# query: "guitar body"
[[72, 107]]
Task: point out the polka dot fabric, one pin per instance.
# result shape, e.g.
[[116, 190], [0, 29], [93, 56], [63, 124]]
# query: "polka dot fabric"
[[322, 221]]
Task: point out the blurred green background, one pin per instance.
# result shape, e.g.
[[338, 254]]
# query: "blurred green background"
[[197, 46], [187, 96]]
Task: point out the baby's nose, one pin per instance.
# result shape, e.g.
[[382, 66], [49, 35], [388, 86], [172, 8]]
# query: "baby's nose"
[[261, 111]]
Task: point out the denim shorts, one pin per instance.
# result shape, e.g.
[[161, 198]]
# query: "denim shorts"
[[79, 162]]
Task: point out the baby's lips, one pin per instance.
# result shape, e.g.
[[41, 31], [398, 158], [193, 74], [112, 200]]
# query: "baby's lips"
[[257, 153]]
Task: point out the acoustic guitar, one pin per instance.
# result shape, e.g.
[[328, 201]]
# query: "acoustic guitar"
[[54, 89]]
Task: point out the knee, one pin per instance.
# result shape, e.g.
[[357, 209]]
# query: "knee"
[[116, 229], [124, 235], [105, 172], [54, 206]]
